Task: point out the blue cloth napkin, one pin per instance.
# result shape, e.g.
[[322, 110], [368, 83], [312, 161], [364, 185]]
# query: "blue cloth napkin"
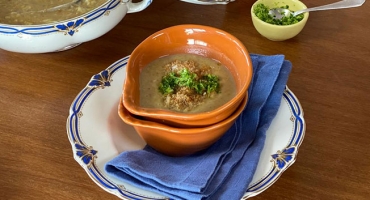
[[224, 170]]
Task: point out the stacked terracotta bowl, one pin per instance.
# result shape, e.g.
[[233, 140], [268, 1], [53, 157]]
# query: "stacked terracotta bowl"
[[183, 133]]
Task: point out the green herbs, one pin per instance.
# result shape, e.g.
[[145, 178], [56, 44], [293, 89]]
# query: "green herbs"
[[188, 83], [262, 12], [205, 84]]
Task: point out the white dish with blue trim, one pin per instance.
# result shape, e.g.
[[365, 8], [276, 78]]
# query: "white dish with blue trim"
[[97, 135], [69, 33]]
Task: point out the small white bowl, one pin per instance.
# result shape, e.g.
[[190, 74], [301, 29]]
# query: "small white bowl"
[[69, 33]]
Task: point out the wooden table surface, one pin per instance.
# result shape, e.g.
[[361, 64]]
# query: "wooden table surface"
[[330, 77]]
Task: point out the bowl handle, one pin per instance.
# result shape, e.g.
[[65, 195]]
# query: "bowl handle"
[[137, 7]]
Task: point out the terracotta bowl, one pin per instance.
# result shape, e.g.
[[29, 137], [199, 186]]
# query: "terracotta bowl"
[[194, 39], [174, 141]]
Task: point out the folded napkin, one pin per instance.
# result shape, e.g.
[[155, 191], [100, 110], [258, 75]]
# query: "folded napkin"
[[224, 170]]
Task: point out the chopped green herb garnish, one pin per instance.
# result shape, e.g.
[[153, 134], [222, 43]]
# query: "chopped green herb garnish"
[[262, 12], [206, 84]]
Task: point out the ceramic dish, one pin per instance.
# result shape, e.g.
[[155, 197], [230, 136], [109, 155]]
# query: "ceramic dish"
[[206, 41], [67, 34], [279, 32], [93, 146], [175, 141]]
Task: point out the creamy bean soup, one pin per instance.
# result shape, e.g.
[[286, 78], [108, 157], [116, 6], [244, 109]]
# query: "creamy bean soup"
[[186, 83], [31, 12]]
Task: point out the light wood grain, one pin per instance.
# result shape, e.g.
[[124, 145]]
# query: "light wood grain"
[[330, 76]]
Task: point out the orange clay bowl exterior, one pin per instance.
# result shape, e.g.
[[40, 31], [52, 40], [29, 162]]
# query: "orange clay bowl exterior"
[[174, 141], [193, 39]]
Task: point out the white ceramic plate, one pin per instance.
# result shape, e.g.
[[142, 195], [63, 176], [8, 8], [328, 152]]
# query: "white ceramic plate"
[[97, 135], [208, 3]]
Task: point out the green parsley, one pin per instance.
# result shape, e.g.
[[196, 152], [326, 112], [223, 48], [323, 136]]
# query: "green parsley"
[[262, 12], [172, 82]]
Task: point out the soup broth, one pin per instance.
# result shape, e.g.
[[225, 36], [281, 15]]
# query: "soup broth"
[[152, 74], [23, 12]]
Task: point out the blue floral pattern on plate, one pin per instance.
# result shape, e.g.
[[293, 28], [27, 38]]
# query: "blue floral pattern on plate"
[[87, 154], [101, 80], [281, 158]]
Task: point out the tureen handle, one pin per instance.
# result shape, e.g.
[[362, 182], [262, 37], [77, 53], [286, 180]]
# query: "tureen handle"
[[137, 7]]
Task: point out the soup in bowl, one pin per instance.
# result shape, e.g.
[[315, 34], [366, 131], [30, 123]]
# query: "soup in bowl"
[[30, 26], [187, 76]]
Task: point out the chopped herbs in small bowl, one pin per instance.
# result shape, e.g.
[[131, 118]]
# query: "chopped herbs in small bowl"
[[278, 29], [262, 12]]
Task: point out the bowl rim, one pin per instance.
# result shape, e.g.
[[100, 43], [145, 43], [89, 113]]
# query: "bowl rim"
[[166, 114], [60, 21], [304, 20], [130, 119]]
